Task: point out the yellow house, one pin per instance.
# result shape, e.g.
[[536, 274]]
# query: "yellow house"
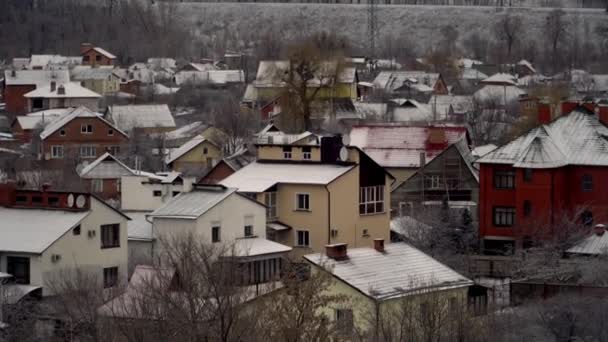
[[342, 80], [101, 79], [395, 285], [196, 155], [318, 194]]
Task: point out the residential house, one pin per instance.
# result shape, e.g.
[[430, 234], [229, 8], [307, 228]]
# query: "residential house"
[[402, 149], [220, 215], [452, 108], [161, 63], [80, 134], [146, 119], [411, 83], [409, 110], [144, 191], [271, 134], [61, 95], [101, 80], [227, 166], [386, 280], [95, 56], [179, 136], [48, 232], [499, 89], [195, 156], [24, 127], [318, 194], [17, 83], [553, 173], [53, 62], [209, 77], [593, 245], [449, 178]]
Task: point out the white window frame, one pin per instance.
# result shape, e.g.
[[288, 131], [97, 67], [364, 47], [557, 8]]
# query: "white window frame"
[[90, 151], [96, 185], [371, 195], [435, 181], [306, 236], [297, 204], [57, 152], [287, 154], [84, 129], [307, 155], [271, 205]]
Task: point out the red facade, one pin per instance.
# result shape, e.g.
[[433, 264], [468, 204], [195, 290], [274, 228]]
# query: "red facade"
[[543, 199], [16, 103], [218, 173], [110, 188]]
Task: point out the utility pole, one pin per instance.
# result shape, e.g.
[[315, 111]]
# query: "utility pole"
[[372, 30]]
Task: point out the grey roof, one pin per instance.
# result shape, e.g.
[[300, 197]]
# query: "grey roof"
[[70, 90], [185, 148], [595, 244], [86, 72], [575, 139], [107, 167], [36, 77], [400, 271], [139, 228], [128, 117], [392, 80], [191, 205]]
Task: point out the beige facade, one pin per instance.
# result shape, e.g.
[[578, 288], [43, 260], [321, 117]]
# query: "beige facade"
[[201, 157], [103, 86], [140, 193]]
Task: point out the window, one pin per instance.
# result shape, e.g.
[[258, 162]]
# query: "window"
[[303, 202], [270, 199], [19, 267], [527, 208], [175, 193], [286, 152], [97, 185], [20, 199], [248, 230], [504, 216], [76, 230], [110, 277], [215, 234], [528, 175], [306, 153], [85, 58], [433, 182], [114, 150], [56, 152], [209, 162], [88, 151], [110, 131], [371, 199], [37, 103], [504, 179], [344, 321], [587, 183], [365, 233], [62, 132], [53, 201], [110, 235], [303, 237], [98, 58], [205, 150], [157, 193], [86, 128]]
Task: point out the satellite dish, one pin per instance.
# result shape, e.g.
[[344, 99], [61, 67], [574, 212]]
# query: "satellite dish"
[[343, 154], [346, 140], [80, 201], [70, 200]]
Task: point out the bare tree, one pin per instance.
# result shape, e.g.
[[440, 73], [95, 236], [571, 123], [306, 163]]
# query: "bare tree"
[[509, 30], [556, 30]]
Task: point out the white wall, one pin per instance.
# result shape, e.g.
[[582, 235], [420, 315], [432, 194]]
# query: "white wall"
[[136, 194]]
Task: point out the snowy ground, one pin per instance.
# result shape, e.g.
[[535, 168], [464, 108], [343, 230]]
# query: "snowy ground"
[[421, 24]]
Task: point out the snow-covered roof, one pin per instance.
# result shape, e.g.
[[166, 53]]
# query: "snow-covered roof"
[[139, 228], [578, 138], [185, 148], [161, 89], [193, 204], [71, 90], [258, 246], [258, 177], [400, 146], [34, 230], [87, 72], [202, 66], [38, 78], [472, 74], [399, 271], [527, 64], [209, 76], [468, 62], [374, 109], [33, 121], [53, 60], [270, 73], [498, 93], [281, 138], [501, 78], [162, 62], [106, 167], [392, 80], [128, 117], [71, 114], [408, 227], [460, 104], [185, 131], [104, 52], [482, 150], [594, 244]]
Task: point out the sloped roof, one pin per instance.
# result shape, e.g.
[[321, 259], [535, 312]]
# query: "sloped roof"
[[103, 52], [258, 177], [399, 271], [139, 228], [162, 62], [36, 77], [193, 204], [594, 244], [128, 117], [185, 148], [33, 121], [527, 65], [72, 90], [391, 80], [86, 72], [472, 74], [249, 247], [269, 72], [501, 78], [186, 131], [34, 230], [399, 145], [209, 76], [442, 103], [106, 167], [574, 139], [54, 60], [80, 112], [498, 93]]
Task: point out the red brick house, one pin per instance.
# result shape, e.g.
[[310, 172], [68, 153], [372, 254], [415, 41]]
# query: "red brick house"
[[80, 134], [555, 173], [17, 83], [94, 56], [25, 126]]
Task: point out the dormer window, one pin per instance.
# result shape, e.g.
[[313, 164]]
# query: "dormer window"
[[286, 152]]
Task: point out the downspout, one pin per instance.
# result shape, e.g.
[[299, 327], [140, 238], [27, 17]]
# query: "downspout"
[[328, 215], [151, 237], [552, 198]]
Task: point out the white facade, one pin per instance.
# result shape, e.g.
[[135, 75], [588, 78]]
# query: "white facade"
[[140, 193]]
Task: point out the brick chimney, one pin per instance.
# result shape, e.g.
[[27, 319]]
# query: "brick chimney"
[[7, 194], [379, 245], [336, 251], [568, 106], [602, 114], [84, 47], [53, 85], [544, 113]]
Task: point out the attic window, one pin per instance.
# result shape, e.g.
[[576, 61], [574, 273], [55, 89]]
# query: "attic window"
[[62, 132], [110, 131], [306, 153], [86, 129]]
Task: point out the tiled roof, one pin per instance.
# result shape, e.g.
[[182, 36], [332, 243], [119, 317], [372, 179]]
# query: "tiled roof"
[[258, 177], [575, 139], [129, 117], [399, 271]]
